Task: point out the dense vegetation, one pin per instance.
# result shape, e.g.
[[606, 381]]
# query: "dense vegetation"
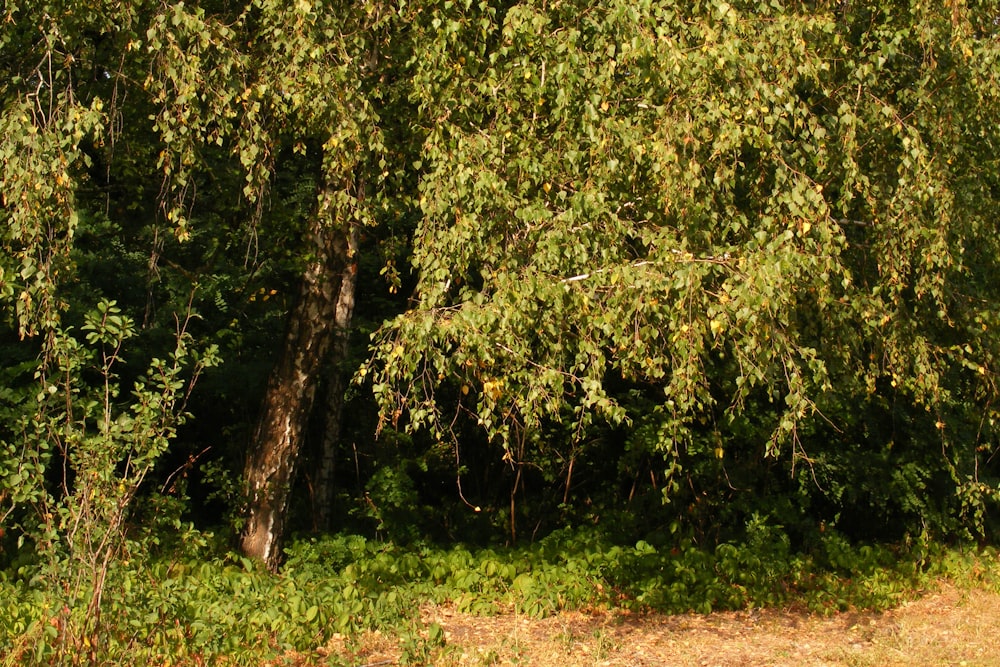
[[204, 608], [673, 305]]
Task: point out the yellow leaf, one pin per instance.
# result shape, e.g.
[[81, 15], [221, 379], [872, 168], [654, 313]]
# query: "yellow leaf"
[[493, 388]]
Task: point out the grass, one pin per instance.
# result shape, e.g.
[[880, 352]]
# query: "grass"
[[947, 626]]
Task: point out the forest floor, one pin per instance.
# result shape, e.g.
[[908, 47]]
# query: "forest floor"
[[944, 626]]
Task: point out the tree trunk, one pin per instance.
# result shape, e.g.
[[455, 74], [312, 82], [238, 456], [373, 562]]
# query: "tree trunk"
[[270, 464], [324, 489]]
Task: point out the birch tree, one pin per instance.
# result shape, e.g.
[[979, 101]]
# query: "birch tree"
[[728, 204]]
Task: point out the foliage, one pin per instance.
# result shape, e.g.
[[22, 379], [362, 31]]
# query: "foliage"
[[191, 605], [81, 453], [774, 221], [713, 280]]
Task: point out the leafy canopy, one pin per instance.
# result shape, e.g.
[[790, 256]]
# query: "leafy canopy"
[[731, 206]]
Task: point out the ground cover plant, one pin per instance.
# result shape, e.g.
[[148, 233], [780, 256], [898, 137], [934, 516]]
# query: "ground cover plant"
[[203, 605]]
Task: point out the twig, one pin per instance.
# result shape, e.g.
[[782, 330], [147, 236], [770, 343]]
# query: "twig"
[[584, 276], [679, 256], [184, 468]]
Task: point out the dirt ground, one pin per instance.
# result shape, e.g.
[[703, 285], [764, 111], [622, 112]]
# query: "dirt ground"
[[945, 627]]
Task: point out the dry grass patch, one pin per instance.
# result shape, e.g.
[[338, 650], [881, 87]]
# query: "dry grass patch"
[[946, 626]]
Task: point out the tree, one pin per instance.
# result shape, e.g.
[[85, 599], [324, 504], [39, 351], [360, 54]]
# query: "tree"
[[235, 93], [738, 207], [320, 104], [667, 219], [81, 430]]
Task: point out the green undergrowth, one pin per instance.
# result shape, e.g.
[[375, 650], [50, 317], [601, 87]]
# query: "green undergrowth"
[[214, 608]]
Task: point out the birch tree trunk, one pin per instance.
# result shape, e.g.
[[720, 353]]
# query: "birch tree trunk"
[[270, 464], [324, 491]]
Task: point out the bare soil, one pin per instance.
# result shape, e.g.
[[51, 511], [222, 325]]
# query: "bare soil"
[[946, 626]]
